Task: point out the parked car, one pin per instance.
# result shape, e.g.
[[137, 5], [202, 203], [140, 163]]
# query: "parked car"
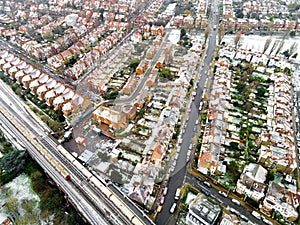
[[177, 194], [267, 221], [159, 208], [232, 210], [219, 200], [207, 184], [244, 217], [162, 200], [256, 215], [173, 207], [198, 179], [125, 190], [165, 191], [235, 201], [223, 194], [205, 191]]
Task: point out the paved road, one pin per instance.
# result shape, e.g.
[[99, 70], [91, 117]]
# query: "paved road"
[[89, 201], [225, 201], [145, 76], [178, 176]]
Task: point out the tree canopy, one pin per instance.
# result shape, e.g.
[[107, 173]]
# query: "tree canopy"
[[13, 161], [116, 177], [11, 164], [134, 63]]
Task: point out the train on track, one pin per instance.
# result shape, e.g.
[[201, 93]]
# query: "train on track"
[[50, 159], [102, 187]]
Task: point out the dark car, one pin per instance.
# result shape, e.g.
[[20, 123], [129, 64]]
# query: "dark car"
[[198, 179]]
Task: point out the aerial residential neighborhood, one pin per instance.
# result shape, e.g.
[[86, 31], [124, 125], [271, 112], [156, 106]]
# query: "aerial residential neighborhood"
[[149, 112]]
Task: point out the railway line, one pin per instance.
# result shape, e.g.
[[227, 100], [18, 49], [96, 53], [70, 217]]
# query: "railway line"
[[93, 189], [81, 204]]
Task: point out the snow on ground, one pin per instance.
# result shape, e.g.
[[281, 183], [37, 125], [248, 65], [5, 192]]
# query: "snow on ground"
[[20, 189], [256, 43], [190, 197]]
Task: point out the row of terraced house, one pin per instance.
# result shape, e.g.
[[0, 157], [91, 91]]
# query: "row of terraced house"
[[276, 140], [54, 92]]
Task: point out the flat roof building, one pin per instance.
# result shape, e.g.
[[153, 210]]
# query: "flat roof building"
[[202, 211]]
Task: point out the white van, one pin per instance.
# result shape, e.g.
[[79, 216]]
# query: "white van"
[[177, 194], [201, 105], [173, 207]]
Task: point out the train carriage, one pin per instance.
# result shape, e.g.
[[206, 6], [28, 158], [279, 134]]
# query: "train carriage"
[[123, 208], [116, 201], [100, 186], [82, 169], [60, 169], [63, 172], [69, 157], [41, 150], [65, 153], [137, 221], [48, 157]]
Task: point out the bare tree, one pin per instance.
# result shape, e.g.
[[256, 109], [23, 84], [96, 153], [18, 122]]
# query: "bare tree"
[[207, 30], [279, 47], [267, 45], [274, 46], [288, 30], [237, 38], [271, 26], [293, 49], [221, 33]]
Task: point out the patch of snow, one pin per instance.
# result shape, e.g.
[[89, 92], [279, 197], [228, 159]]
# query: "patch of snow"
[[20, 189], [190, 197]]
